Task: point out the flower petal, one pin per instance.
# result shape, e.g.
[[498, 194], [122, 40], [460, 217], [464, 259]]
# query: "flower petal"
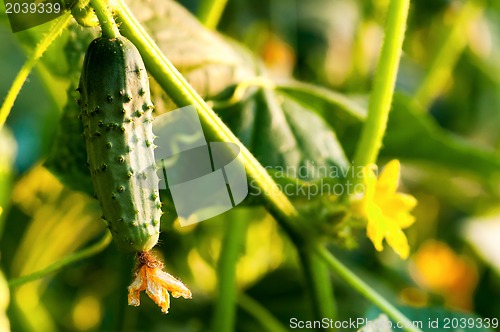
[[397, 208], [388, 180], [405, 220], [156, 290], [396, 238], [173, 285], [387, 212], [156, 282], [375, 228], [137, 286], [404, 201]]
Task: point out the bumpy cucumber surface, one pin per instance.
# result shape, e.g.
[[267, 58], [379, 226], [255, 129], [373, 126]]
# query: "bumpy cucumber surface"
[[116, 114]]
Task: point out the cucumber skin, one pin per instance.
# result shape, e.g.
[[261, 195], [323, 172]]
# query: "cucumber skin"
[[116, 114]]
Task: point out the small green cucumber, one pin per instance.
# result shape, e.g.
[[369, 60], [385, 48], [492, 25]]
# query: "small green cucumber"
[[116, 111]]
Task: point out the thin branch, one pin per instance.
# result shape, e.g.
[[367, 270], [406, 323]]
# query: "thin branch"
[[225, 306], [261, 314], [318, 282], [383, 86], [364, 289], [210, 12], [63, 262]]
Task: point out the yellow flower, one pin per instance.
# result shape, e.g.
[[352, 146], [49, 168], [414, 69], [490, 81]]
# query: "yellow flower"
[[386, 211], [157, 283], [438, 268]]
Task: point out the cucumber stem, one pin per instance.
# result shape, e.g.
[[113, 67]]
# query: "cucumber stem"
[[108, 25]]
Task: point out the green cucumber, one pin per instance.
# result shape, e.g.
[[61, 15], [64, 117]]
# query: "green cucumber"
[[116, 111]]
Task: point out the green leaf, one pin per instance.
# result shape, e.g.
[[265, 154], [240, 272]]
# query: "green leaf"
[[411, 136], [327, 103], [414, 137], [277, 130], [284, 136], [343, 113], [209, 61]]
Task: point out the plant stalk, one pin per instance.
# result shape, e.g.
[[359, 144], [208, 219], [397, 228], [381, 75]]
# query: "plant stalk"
[[383, 87], [265, 318], [447, 55], [364, 289], [103, 13], [225, 306], [210, 12], [317, 275]]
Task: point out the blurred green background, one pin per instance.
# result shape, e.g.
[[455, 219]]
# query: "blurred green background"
[[444, 129]]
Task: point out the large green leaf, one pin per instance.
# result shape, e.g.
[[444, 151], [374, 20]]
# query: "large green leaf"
[[343, 113], [327, 103], [283, 134], [209, 61], [412, 135]]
